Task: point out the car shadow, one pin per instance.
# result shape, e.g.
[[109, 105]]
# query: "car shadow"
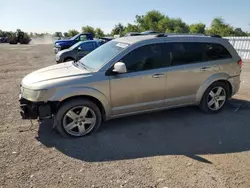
[[183, 131]]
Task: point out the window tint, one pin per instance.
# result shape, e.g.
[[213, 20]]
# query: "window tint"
[[83, 37], [185, 53], [215, 51], [89, 46], [146, 58]]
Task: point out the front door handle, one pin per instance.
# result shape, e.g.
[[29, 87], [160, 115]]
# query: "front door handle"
[[205, 68], [157, 75]]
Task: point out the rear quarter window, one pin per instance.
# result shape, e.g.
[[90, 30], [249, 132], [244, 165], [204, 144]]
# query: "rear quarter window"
[[214, 51]]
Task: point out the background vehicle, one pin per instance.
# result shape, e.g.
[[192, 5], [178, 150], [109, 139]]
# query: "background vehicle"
[[3, 39], [78, 50], [19, 37], [132, 75], [66, 43]]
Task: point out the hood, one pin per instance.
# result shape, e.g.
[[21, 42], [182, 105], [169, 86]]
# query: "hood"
[[63, 51], [59, 71]]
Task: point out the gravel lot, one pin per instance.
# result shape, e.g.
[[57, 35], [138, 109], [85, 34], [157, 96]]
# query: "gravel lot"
[[175, 148]]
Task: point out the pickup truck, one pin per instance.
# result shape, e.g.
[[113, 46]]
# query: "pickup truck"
[[66, 43]]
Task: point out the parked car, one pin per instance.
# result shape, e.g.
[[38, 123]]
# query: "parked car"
[[66, 43], [78, 50], [132, 75], [3, 39]]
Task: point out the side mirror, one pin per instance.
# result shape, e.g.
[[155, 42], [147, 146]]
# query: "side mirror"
[[120, 67]]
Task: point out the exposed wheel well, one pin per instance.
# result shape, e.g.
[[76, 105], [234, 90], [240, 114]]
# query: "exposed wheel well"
[[93, 99]]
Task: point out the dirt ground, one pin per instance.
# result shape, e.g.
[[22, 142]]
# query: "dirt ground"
[[176, 148]]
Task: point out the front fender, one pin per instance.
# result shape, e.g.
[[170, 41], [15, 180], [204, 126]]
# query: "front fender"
[[208, 82], [65, 93]]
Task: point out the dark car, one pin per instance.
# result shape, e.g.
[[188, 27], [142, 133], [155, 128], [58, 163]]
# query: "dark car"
[[3, 39], [78, 50], [66, 43]]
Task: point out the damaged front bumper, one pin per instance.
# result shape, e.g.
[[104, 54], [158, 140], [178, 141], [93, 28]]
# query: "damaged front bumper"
[[36, 110]]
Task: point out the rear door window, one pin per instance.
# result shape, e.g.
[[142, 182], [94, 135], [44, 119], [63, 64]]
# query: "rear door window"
[[185, 53]]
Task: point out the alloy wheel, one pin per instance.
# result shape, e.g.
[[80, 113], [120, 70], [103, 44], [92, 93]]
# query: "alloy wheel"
[[79, 120], [216, 98]]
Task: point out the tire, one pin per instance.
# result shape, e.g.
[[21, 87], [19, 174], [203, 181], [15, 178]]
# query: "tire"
[[67, 113], [208, 103], [68, 59]]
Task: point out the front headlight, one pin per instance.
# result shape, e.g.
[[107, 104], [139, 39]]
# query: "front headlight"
[[57, 45], [57, 57], [34, 95]]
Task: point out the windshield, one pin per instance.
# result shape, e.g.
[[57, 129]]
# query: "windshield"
[[75, 45], [74, 37], [103, 54]]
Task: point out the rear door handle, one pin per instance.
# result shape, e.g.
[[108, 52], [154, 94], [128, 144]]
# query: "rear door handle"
[[157, 75]]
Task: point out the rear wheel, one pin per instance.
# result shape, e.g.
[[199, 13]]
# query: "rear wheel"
[[215, 98], [78, 118]]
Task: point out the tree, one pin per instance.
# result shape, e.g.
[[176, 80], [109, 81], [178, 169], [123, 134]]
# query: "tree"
[[197, 28], [72, 32], [99, 33], [58, 34], [131, 28], [66, 34], [150, 21], [117, 30], [219, 27], [238, 32], [88, 29], [176, 25]]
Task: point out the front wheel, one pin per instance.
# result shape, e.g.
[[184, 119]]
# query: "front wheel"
[[214, 98], [77, 118]]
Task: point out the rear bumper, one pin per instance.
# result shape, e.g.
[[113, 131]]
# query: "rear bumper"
[[35, 110]]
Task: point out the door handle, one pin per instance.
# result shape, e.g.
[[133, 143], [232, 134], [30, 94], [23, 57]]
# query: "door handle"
[[157, 75], [205, 68]]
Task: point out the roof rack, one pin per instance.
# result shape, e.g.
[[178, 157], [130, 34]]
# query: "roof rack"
[[185, 34]]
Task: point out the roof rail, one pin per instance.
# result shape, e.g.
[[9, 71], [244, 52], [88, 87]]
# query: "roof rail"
[[187, 34]]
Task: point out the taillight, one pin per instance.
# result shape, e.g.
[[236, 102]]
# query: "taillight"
[[240, 63]]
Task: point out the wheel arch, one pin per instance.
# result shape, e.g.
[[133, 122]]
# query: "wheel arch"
[[91, 98], [221, 77], [87, 93], [68, 58]]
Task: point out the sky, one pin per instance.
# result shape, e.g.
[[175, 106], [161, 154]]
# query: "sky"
[[62, 15]]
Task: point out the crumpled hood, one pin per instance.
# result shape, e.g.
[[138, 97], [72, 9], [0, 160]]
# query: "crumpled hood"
[[63, 70]]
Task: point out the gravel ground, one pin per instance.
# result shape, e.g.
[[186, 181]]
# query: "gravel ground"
[[175, 148]]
